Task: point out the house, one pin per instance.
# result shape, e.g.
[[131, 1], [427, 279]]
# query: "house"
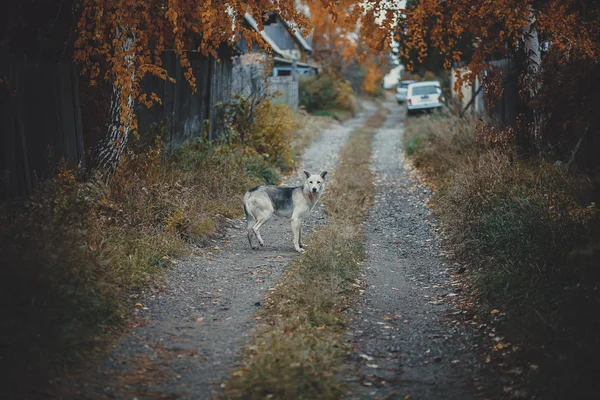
[[277, 71]]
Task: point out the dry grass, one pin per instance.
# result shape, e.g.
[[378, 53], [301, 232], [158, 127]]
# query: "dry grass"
[[519, 224], [297, 350], [74, 252]]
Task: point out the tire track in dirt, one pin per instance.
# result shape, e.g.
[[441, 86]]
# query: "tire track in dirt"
[[404, 343], [189, 332]]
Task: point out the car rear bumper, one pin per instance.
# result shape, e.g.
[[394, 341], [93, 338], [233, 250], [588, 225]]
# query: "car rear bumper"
[[423, 106]]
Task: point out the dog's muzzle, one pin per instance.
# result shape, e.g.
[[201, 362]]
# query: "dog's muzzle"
[[315, 190]]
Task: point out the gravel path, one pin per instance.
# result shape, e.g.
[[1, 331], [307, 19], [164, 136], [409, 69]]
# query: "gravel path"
[[404, 342], [189, 332]]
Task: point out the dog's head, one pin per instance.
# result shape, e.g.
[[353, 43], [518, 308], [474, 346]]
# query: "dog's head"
[[314, 183]]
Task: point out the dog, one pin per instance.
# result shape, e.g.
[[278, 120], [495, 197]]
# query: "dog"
[[294, 202]]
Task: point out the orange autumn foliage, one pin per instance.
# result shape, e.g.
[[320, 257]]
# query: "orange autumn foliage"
[[496, 28], [122, 41]]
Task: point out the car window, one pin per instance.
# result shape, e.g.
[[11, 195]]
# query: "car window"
[[404, 85], [423, 90]]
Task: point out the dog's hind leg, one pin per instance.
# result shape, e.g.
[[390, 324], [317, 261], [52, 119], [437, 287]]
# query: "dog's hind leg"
[[250, 233], [250, 222], [260, 221]]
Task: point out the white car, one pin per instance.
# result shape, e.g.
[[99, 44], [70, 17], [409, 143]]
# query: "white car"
[[401, 91], [425, 96]]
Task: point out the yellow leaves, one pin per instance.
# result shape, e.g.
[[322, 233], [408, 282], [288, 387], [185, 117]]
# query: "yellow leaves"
[[171, 16]]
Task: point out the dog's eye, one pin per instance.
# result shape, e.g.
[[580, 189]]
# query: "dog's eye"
[[318, 182], [310, 182]]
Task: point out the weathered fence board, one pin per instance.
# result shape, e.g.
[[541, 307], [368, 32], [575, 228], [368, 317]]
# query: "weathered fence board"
[[41, 119], [186, 113], [41, 122]]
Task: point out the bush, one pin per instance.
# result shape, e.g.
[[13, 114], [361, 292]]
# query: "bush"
[[253, 121], [326, 92]]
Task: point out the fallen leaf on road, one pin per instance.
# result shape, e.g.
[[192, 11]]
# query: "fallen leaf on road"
[[372, 365], [199, 319], [139, 305], [366, 357], [241, 372], [494, 311], [387, 318]]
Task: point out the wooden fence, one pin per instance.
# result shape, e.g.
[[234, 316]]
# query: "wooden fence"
[[41, 122], [188, 114], [503, 111], [41, 118], [285, 91]]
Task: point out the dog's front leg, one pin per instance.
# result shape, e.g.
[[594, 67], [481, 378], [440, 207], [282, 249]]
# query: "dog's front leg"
[[296, 224], [302, 245]]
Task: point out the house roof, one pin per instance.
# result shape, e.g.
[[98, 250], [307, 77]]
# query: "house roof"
[[298, 37], [270, 41], [264, 35]]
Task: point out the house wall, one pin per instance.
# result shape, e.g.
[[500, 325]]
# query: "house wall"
[[249, 73]]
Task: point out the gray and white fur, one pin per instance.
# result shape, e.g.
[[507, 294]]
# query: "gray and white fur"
[[294, 202]]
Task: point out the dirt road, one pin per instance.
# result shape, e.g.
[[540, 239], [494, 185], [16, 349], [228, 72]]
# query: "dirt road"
[[404, 340], [189, 332]]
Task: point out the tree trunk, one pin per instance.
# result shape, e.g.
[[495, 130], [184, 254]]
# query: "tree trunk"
[[116, 131], [534, 61]]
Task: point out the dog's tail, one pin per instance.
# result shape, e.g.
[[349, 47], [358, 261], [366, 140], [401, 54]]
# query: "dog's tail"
[[249, 217]]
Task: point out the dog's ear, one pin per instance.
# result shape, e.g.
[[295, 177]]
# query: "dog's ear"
[[307, 174], [323, 174]]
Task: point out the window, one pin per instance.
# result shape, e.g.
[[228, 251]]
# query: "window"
[[424, 90]]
